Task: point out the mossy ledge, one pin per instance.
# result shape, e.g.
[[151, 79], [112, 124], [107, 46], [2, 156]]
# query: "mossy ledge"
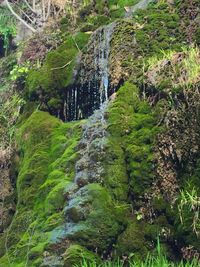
[[46, 147]]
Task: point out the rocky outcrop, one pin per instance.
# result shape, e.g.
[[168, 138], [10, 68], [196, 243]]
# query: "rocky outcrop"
[[108, 186], [7, 191]]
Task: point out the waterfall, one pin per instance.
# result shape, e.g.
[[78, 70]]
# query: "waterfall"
[[91, 147], [92, 81], [94, 93], [88, 168], [142, 4]]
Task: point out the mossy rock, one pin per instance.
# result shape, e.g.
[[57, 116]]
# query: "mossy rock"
[[133, 128], [49, 81], [47, 156], [94, 219], [77, 255], [132, 241]]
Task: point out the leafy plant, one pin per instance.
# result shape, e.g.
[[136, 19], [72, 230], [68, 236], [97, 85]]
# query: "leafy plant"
[[189, 208], [19, 71], [7, 25], [9, 113]]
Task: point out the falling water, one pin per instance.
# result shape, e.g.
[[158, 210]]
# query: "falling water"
[[142, 4], [88, 169], [92, 149], [92, 146], [92, 87]]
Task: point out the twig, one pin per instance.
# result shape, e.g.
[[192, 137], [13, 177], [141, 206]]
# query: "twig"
[[18, 17], [58, 68], [76, 44], [26, 15], [32, 9]]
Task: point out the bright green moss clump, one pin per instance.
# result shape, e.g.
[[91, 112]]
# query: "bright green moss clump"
[[132, 124], [76, 254], [57, 71], [47, 153], [94, 220]]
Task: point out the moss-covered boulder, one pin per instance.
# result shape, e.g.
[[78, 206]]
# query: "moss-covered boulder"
[[77, 255], [48, 83], [93, 219], [132, 241], [47, 154]]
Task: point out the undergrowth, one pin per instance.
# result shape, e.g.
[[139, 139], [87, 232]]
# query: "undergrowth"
[[151, 261], [7, 25]]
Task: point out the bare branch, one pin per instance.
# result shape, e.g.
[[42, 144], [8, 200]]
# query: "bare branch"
[[48, 9], [18, 17], [26, 15], [26, 2], [58, 68]]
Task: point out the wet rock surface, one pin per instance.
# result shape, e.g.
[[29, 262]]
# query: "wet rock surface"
[[92, 85]]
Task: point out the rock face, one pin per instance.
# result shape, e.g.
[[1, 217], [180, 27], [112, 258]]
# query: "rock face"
[[7, 205], [23, 33], [93, 79], [108, 186]]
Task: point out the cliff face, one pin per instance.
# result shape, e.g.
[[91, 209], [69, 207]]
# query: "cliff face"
[[101, 120]]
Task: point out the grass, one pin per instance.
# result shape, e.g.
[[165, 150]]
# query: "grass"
[[190, 206], [7, 25], [183, 68], [151, 261], [159, 261]]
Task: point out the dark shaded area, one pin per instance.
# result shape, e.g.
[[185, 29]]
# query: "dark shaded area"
[[81, 100], [2, 49]]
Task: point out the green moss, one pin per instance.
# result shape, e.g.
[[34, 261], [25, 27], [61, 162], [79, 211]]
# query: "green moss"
[[132, 124], [98, 21], [150, 32], [116, 177], [47, 150], [76, 254], [95, 219], [117, 7], [132, 241], [56, 72]]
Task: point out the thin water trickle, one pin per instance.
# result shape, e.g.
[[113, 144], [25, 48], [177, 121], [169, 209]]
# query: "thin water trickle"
[[92, 149], [92, 87], [142, 4], [93, 144]]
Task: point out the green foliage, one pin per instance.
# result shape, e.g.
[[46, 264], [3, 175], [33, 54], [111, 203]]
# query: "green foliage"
[[173, 71], [7, 25], [6, 65], [19, 71], [189, 210], [9, 113], [117, 7], [150, 261], [77, 254]]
